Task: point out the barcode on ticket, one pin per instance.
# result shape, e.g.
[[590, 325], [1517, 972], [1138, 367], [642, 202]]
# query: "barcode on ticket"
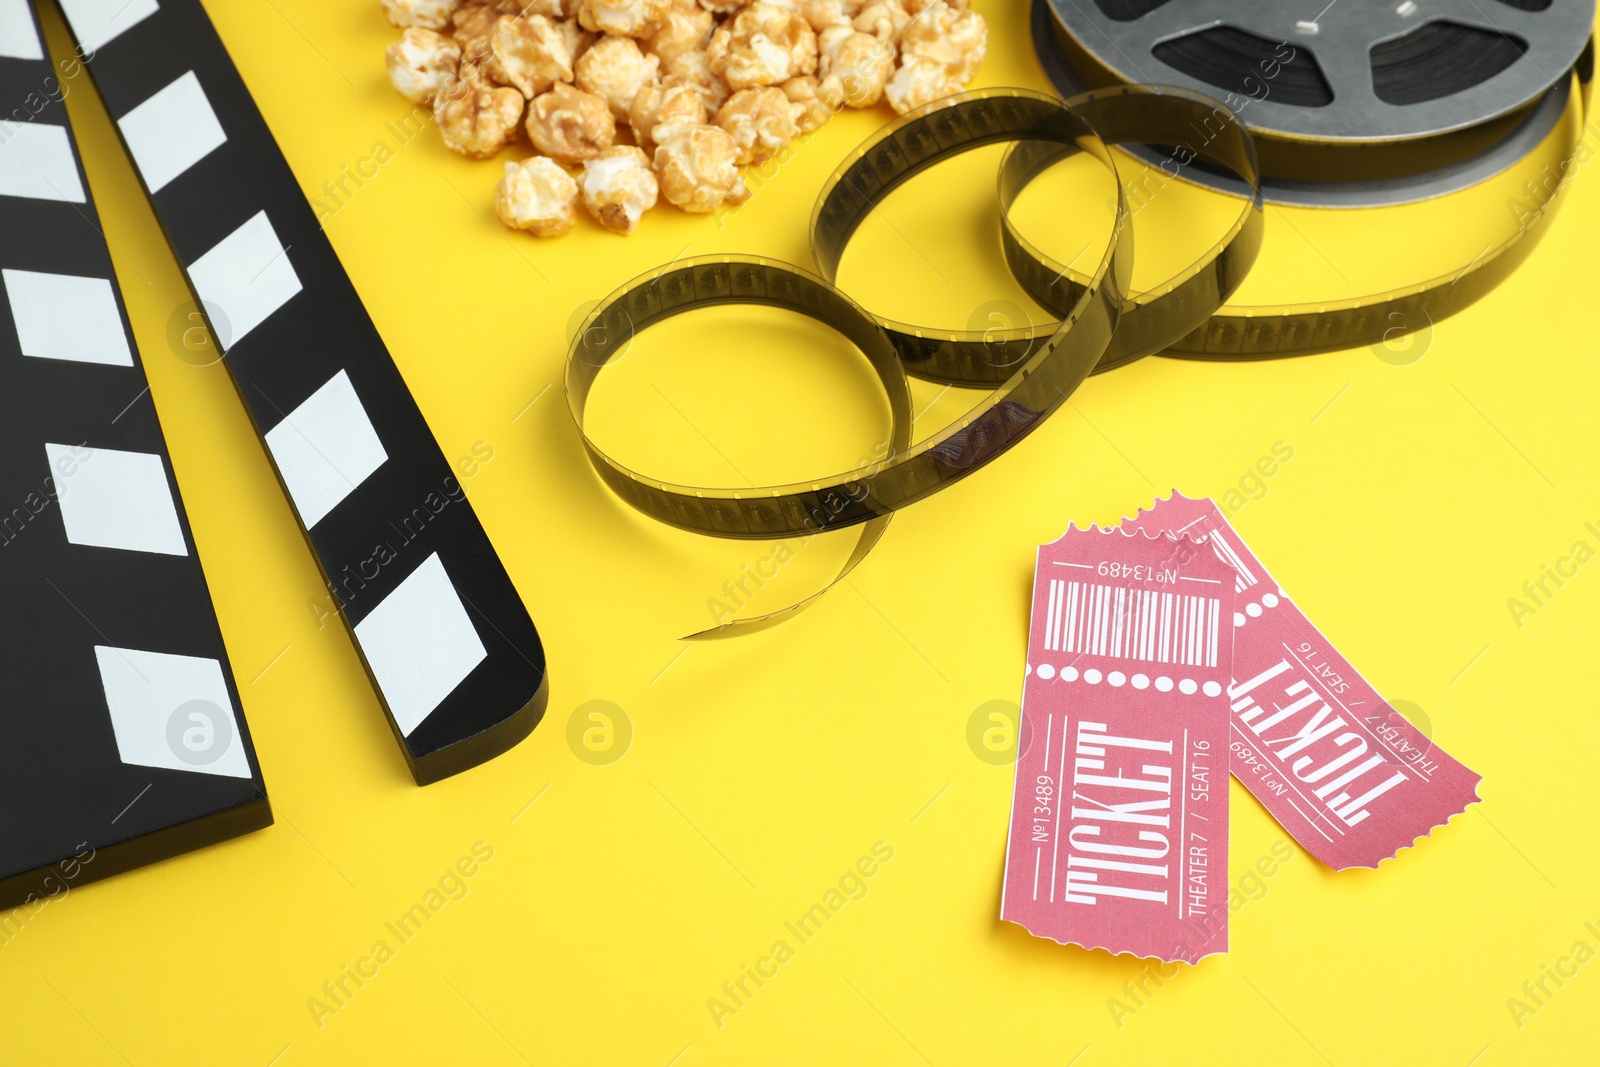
[[1146, 625]]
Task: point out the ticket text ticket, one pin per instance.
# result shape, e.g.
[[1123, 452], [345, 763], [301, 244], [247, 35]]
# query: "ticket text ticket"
[[1344, 772], [1119, 818]]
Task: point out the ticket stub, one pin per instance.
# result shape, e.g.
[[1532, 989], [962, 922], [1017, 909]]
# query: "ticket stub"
[[1119, 816], [1344, 772]]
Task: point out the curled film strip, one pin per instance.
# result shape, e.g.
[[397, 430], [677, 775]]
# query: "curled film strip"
[[124, 739], [443, 634], [1122, 114], [1030, 370]]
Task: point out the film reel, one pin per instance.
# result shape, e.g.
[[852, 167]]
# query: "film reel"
[[1370, 103], [1267, 332]]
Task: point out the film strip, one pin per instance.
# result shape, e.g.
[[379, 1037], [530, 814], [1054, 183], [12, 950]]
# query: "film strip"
[[1161, 316], [1276, 331], [1045, 370], [125, 743], [444, 635], [1122, 114], [1030, 370]]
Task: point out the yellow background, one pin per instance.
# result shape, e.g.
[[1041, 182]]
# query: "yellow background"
[[621, 897]]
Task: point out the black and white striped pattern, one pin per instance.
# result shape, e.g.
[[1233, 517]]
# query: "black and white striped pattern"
[[1147, 625], [123, 738], [444, 634]]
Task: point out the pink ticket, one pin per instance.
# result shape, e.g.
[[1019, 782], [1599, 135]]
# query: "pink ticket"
[[1344, 772], [1119, 819]]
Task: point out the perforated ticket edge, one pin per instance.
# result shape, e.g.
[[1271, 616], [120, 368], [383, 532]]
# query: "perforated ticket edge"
[[1151, 515]]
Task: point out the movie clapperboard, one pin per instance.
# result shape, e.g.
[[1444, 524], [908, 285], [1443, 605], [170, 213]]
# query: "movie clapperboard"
[[124, 740]]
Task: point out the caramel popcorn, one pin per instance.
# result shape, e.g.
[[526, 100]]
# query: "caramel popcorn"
[[538, 196], [684, 28], [828, 40], [578, 39], [529, 54], [421, 63], [659, 107], [614, 68], [424, 14], [762, 45], [477, 118], [820, 14], [618, 187], [696, 67], [815, 99], [570, 125], [623, 18], [761, 122], [917, 82], [698, 169], [884, 19], [955, 39], [472, 24], [861, 62], [701, 88]]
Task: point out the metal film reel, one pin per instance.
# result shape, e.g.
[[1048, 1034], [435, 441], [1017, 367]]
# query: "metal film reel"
[[1368, 102]]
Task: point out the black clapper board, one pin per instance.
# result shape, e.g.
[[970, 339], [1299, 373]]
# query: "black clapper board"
[[444, 635], [121, 738]]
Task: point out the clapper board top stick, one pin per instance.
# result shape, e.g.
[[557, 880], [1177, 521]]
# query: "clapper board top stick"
[[123, 741], [444, 635]]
